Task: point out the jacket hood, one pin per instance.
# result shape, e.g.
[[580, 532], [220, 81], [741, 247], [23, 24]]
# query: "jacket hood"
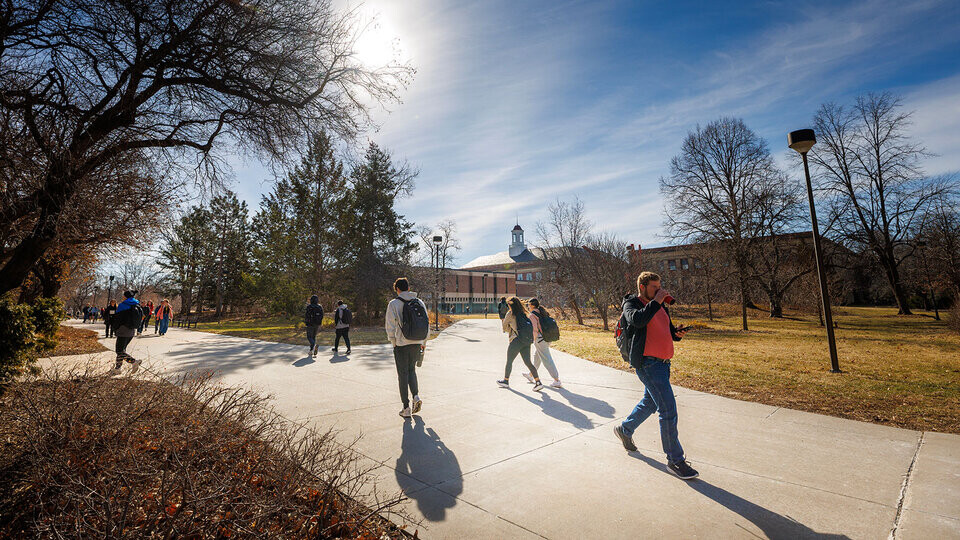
[[628, 298], [407, 295]]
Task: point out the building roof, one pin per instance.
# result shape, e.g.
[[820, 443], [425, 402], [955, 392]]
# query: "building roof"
[[802, 235], [504, 258], [517, 227]]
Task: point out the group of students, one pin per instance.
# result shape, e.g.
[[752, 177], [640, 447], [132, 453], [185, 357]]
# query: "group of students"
[[313, 320]]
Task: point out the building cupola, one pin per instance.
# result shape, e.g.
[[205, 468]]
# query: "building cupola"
[[517, 246]]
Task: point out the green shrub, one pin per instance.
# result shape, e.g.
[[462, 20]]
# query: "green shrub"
[[26, 332]]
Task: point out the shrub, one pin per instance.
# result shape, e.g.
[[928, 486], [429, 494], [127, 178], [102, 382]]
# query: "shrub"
[[26, 332], [86, 456]]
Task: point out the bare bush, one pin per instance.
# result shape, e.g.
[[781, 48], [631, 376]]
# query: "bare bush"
[[97, 457]]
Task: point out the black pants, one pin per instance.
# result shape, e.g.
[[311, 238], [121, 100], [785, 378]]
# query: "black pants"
[[312, 335], [106, 320], [345, 334], [513, 349], [406, 357], [122, 355]]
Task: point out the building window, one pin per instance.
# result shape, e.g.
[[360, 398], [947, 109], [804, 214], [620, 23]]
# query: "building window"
[[529, 276], [661, 265], [672, 264], [684, 264], [539, 276], [519, 277]]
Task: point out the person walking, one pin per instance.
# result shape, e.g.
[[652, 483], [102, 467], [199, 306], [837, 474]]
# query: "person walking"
[[541, 346], [86, 313], [108, 316], [407, 326], [342, 318], [516, 324], [125, 323], [648, 339], [313, 319], [94, 313], [148, 312], [164, 314], [502, 308]]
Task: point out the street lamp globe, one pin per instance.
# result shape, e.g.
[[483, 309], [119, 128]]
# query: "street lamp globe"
[[437, 240], [802, 140]]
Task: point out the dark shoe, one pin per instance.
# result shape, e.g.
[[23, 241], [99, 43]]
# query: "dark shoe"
[[683, 470], [348, 351], [627, 441]]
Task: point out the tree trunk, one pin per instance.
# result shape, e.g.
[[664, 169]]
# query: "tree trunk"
[[743, 304], [576, 310], [893, 279], [710, 306]]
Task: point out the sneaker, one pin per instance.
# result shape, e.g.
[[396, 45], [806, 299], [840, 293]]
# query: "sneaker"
[[115, 370], [417, 405], [136, 366], [538, 386], [683, 470], [335, 351], [406, 412], [556, 384], [503, 383], [348, 351], [625, 439], [529, 378]]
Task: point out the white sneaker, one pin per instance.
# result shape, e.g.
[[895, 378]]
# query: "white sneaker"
[[417, 404], [529, 378], [136, 366], [556, 384], [503, 383], [115, 370], [538, 387], [406, 412]]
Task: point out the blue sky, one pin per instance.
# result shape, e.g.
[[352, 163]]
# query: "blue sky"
[[517, 103]]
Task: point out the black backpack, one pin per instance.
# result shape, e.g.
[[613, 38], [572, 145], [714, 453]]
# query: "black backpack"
[[345, 316], [313, 315], [524, 330], [414, 321], [129, 318], [549, 328], [624, 336]]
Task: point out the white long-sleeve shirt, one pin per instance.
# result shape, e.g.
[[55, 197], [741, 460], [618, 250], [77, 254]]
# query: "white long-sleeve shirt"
[[394, 318]]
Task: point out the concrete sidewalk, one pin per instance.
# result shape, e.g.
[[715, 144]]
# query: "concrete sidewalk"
[[485, 462]]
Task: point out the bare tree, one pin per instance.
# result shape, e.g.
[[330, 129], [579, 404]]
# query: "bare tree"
[[716, 192], [609, 265], [443, 255], [868, 166], [941, 233], [561, 239], [86, 83]]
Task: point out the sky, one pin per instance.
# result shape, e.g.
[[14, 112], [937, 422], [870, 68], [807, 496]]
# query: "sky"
[[516, 104]]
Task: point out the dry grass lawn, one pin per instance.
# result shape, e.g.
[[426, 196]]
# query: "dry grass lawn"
[[73, 340], [897, 370]]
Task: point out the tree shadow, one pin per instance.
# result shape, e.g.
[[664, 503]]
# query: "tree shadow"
[[586, 403], [425, 458], [772, 524], [557, 409]]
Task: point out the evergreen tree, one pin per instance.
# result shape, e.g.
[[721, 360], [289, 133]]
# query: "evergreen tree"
[[230, 229], [186, 255]]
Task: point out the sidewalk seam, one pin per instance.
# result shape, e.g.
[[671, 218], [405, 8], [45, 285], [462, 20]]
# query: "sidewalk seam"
[[905, 487]]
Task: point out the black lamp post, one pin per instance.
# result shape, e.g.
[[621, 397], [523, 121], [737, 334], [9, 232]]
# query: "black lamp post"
[[926, 273], [486, 303], [110, 291], [437, 240], [802, 141]]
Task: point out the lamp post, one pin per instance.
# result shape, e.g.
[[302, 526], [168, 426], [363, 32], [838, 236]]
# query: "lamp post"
[[437, 240], [926, 273], [483, 286], [802, 141], [96, 291], [110, 291]]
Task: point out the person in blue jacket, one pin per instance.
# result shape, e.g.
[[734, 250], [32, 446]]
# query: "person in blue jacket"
[[126, 321]]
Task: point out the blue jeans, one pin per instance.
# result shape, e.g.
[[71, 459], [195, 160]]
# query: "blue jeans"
[[657, 397], [164, 323]]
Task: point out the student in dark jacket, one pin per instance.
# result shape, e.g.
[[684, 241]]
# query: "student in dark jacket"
[[342, 318], [313, 319], [108, 316], [125, 328], [502, 307], [651, 334]]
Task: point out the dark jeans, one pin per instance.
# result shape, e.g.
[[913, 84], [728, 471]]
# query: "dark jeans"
[[143, 323], [406, 357], [657, 397], [122, 355], [515, 348], [345, 334], [106, 320], [312, 334]]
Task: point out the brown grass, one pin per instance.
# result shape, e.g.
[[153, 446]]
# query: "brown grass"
[[72, 340], [897, 370], [87, 456]]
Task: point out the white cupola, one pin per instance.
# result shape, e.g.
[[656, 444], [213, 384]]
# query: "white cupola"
[[517, 247]]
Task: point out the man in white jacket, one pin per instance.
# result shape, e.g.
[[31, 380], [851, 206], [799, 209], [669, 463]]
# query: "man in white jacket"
[[406, 352]]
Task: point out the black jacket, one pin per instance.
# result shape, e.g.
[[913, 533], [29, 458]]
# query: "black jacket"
[[637, 316]]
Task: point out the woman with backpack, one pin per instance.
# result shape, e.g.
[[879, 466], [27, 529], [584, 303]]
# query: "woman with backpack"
[[541, 345], [518, 326]]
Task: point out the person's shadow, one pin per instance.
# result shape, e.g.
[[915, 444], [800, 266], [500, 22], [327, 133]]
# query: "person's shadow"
[[586, 403], [771, 523], [559, 410], [304, 362], [424, 457]]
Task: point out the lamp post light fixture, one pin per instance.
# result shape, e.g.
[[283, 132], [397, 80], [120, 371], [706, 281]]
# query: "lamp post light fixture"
[[437, 240], [802, 141], [110, 290]]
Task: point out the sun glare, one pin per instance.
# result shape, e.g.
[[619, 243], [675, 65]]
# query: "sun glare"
[[378, 44]]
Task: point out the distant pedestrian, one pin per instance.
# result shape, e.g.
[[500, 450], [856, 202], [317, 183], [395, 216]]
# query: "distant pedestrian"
[[108, 316], [86, 313], [408, 327], [538, 316], [502, 308], [342, 318], [516, 324], [648, 335], [147, 313], [164, 314], [313, 319], [94, 314], [125, 323]]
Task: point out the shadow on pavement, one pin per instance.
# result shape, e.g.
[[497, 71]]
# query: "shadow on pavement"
[[589, 404], [304, 362], [424, 456], [558, 410], [771, 523], [339, 358]]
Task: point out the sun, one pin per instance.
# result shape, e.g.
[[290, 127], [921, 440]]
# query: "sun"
[[378, 44]]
